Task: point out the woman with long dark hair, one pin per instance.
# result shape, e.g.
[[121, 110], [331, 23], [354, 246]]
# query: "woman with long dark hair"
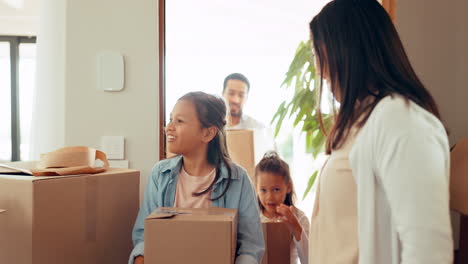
[[383, 193]]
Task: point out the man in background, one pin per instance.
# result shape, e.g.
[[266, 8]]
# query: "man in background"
[[235, 91]]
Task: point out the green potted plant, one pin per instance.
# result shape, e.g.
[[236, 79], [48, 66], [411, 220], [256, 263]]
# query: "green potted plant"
[[302, 107]]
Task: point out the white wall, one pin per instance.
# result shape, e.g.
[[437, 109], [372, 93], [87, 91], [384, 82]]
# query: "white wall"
[[129, 27], [49, 96], [436, 39], [20, 18]]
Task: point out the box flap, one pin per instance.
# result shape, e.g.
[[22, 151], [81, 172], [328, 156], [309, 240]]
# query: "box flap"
[[193, 214], [110, 171], [12, 169], [166, 212]]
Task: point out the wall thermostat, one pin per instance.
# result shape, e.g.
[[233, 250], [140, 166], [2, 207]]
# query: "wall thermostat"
[[110, 71]]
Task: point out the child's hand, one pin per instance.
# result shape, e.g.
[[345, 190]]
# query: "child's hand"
[[288, 216]]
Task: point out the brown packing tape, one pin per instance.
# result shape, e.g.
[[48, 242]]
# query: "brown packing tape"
[[91, 208]]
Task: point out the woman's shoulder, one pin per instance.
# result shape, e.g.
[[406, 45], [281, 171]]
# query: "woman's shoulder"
[[396, 116], [395, 120]]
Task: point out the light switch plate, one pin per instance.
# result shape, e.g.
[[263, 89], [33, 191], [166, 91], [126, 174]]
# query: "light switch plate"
[[114, 147]]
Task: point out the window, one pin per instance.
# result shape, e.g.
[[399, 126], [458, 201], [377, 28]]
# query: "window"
[[17, 81]]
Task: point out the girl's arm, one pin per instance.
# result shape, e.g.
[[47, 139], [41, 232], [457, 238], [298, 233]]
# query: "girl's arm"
[[413, 170], [150, 203], [249, 232]]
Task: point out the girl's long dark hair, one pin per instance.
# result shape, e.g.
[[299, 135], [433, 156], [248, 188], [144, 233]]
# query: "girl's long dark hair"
[[211, 111], [272, 163], [359, 50]]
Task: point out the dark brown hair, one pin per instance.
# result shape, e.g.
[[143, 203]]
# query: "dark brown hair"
[[236, 76], [358, 47], [211, 111], [272, 163]]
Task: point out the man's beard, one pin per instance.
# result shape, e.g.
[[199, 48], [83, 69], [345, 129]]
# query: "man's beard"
[[238, 114]]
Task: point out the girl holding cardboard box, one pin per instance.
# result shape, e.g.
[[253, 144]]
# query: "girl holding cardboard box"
[[276, 200], [383, 195], [202, 175]]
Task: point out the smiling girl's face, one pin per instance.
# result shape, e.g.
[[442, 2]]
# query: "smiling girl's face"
[[184, 132]]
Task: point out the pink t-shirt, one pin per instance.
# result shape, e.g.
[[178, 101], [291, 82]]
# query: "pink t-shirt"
[[187, 185]]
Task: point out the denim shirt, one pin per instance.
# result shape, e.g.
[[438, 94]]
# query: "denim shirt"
[[160, 192]]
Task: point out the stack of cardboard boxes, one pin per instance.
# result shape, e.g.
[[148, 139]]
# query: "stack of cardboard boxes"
[[89, 219]]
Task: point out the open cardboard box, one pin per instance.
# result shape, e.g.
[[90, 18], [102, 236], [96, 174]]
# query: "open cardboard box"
[[68, 219], [180, 236]]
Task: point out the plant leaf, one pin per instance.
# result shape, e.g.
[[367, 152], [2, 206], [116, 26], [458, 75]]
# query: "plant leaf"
[[310, 183]]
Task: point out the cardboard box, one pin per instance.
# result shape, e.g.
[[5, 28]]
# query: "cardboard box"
[[2, 226], [459, 177], [181, 236], [278, 240], [69, 219], [247, 147]]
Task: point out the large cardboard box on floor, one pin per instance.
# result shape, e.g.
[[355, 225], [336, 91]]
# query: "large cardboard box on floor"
[[277, 243], [81, 219], [247, 147], [180, 236]]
